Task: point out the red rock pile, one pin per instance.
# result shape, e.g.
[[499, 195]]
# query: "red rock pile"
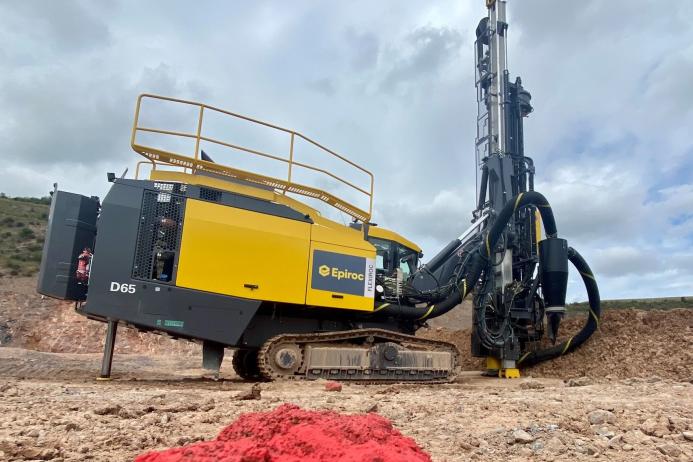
[[291, 434]]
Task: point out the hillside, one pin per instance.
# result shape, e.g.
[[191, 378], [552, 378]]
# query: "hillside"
[[22, 231]]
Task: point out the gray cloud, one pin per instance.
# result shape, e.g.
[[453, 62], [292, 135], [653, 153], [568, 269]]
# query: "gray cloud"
[[391, 87], [427, 51], [60, 27], [365, 49]]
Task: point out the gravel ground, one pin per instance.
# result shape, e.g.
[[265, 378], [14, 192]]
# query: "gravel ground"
[[53, 409], [626, 395]]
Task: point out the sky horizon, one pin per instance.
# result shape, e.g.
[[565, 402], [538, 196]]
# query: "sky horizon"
[[391, 86]]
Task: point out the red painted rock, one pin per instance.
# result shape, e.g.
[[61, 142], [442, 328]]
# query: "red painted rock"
[[333, 386], [292, 434]]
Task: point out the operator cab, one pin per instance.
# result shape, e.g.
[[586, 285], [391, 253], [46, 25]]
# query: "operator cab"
[[394, 252]]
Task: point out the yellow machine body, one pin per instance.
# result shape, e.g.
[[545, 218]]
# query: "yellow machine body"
[[242, 253], [231, 251]]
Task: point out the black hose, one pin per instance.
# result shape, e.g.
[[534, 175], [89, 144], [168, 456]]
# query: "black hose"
[[588, 329], [479, 260]]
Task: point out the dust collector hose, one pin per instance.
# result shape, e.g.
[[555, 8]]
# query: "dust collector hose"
[[480, 259], [588, 329]]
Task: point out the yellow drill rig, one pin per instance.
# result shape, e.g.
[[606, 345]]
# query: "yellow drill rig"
[[237, 258]]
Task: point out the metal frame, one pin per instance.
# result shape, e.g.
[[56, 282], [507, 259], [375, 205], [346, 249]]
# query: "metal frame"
[[195, 163]]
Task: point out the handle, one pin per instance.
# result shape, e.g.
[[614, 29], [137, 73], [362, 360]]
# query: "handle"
[[251, 286], [337, 296]]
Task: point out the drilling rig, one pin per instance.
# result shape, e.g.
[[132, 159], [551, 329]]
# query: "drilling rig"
[[237, 259]]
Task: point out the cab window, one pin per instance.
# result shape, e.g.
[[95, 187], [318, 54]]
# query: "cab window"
[[383, 254]]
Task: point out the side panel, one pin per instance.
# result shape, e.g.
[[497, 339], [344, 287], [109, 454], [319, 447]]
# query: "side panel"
[[226, 250], [341, 277], [150, 304], [71, 228]]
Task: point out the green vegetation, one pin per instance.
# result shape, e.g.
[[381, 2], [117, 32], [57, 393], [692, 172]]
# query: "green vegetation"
[[22, 229], [666, 303]]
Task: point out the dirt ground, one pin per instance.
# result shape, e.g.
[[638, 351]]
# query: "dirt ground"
[[627, 395]]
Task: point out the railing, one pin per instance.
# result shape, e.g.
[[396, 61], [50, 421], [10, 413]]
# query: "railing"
[[157, 156]]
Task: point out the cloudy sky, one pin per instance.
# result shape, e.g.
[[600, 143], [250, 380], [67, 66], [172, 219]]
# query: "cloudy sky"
[[391, 85]]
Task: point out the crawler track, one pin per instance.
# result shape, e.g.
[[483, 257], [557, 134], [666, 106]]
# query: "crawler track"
[[359, 337]]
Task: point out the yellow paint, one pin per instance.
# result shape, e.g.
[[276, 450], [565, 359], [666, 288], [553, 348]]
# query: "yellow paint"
[[427, 313], [517, 201], [382, 233], [324, 229], [330, 232], [537, 226], [224, 248], [324, 297], [596, 319], [492, 363], [510, 373], [587, 275]]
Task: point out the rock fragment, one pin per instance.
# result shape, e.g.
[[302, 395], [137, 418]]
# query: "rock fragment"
[[601, 416], [669, 449], [333, 386], [531, 385], [522, 437], [252, 394], [109, 409], [579, 382]]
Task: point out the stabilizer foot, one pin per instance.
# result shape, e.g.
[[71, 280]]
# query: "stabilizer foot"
[[494, 368], [510, 373], [212, 356], [107, 360]]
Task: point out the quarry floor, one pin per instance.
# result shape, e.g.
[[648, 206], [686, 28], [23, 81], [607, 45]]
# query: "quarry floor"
[[51, 408], [625, 395]]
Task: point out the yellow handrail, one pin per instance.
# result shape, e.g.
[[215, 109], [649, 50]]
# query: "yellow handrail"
[[159, 156]]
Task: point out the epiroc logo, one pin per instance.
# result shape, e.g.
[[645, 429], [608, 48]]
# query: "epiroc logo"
[[339, 274], [346, 274]]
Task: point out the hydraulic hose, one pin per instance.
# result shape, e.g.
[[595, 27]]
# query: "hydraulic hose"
[[587, 330], [478, 262]]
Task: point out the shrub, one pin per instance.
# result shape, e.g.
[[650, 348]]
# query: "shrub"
[[26, 234]]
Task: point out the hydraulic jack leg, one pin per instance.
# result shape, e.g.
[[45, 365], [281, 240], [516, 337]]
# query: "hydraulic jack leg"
[[108, 351]]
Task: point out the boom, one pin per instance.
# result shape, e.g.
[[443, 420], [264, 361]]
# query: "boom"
[[516, 279]]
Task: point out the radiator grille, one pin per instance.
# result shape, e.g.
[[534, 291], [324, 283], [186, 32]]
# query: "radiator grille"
[[161, 223]]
